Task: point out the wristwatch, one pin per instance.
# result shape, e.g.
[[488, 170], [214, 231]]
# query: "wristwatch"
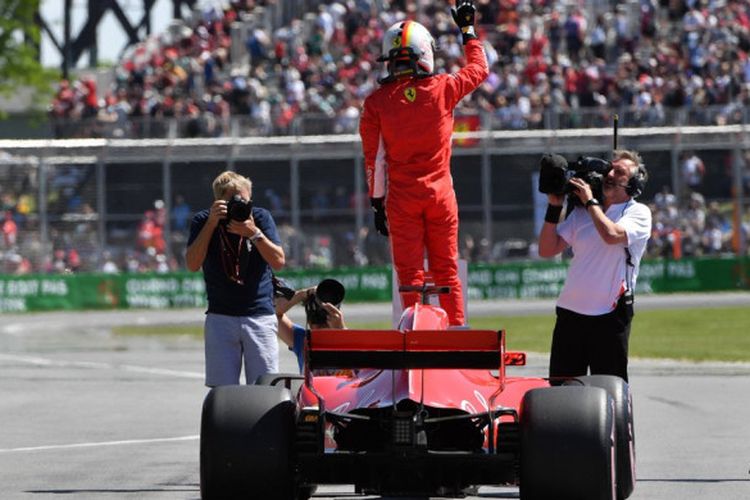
[[592, 202], [255, 237]]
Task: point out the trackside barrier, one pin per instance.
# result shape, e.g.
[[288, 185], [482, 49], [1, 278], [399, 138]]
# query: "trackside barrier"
[[527, 280]]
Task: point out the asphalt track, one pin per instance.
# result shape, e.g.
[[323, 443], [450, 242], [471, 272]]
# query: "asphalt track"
[[85, 414]]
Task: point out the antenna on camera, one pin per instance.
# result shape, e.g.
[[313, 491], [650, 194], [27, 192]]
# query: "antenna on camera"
[[615, 121]]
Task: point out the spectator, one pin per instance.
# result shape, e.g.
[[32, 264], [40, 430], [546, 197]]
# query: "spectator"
[[151, 233], [695, 215], [10, 230], [693, 170], [181, 215], [109, 266], [575, 33], [665, 200]]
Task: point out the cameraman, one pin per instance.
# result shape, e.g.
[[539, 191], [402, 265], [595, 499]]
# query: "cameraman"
[[292, 334], [237, 245], [608, 238]]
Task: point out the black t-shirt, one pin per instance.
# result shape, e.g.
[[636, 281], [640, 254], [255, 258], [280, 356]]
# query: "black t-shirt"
[[255, 296]]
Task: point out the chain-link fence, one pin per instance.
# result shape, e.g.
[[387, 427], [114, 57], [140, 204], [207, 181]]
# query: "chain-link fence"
[[126, 205]]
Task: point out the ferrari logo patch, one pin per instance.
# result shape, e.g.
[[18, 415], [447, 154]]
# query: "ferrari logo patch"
[[410, 93], [396, 42]]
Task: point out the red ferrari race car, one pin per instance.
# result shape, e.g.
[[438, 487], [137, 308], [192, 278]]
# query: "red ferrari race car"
[[418, 411]]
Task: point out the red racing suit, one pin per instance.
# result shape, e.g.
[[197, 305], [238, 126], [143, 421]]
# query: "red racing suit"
[[406, 129]]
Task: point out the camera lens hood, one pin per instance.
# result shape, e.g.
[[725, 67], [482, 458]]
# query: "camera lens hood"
[[331, 291], [239, 209]]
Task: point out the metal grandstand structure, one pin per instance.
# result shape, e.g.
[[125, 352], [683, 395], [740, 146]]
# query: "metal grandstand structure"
[[71, 47]]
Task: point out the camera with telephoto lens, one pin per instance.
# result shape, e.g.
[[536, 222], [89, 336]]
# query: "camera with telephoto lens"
[[328, 290], [239, 209], [556, 172]]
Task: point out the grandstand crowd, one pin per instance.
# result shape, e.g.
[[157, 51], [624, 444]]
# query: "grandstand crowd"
[[580, 60]]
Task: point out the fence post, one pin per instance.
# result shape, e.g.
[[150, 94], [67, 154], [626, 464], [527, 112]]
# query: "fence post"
[[101, 201], [166, 179], [43, 215], [675, 151], [295, 206], [738, 242], [359, 214], [487, 188]]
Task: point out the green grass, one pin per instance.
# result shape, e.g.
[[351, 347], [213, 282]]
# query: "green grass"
[[720, 334], [195, 330], [696, 334]]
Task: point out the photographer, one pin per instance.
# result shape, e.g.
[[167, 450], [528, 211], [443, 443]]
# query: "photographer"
[[608, 238], [319, 314], [236, 245]]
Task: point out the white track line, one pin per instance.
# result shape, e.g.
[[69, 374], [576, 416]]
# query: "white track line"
[[103, 366], [104, 443]]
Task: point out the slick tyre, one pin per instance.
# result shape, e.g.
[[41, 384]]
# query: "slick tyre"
[[567, 444], [246, 439], [619, 391], [292, 381]]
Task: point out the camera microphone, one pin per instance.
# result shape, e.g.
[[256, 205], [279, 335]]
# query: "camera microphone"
[[554, 173], [555, 161]]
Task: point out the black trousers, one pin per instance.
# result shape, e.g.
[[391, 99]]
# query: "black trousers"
[[598, 343]]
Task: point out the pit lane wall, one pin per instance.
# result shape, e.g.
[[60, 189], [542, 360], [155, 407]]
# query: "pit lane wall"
[[526, 280]]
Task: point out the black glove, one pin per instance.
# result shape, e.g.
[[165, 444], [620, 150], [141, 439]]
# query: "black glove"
[[381, 223], [463, 15]]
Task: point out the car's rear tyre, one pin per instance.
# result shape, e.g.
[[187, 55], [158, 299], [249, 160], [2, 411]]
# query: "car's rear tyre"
[[567, 444], [292, 381], [246, 439], [619, 390]]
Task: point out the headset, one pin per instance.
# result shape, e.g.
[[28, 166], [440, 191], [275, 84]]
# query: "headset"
[[637, 182]]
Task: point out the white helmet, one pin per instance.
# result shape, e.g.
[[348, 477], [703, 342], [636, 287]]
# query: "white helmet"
[[408, 48]]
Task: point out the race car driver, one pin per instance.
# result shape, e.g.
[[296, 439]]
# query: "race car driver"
[[406, 128]]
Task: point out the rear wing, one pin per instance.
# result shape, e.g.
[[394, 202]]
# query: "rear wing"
[[394, 349]]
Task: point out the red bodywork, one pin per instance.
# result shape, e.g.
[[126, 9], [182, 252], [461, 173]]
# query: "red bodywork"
[[466, 390], [423, 362]]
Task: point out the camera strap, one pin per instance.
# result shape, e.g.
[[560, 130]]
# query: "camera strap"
[[230, 258], [629, 266]]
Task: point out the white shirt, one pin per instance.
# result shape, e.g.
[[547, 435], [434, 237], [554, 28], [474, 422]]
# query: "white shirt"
[[597, 272]]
